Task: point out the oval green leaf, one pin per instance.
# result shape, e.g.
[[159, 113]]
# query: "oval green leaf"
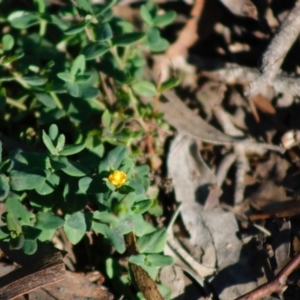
[[72, 149], [153, 242], [144, 88], [29, 180], [127, 39]]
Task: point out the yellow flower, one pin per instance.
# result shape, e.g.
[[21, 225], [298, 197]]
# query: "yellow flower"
[[117, 178]]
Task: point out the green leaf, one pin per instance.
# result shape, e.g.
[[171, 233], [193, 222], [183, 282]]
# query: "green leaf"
[[153, 36], [72, 149], [48, 221], [153, 242], [49, 185], [113, 159], [66, 76], [103, 32], [144, 88], [94, 50], [161, 46], [75, 29], [169, 84], [46, 235], [99, 227], [155, 209], [141, 227], [74, 89], [106, 119], [30, 232], [89, 92], [9, 59], [105, 217], [13, 224], [138, 259], [45, 99], [49, 144], [2, 100], [165, 291], [15, 207], [17, 242], [141, 206], [75, 227], [74, 169], [3, 232], [78, 66], [85, 5], [84, 184], [127, 39], [126, 189], [125, 226], [146, 15], [60, 142], [26, 180], [166, 19], [116, 238], [7, 42], [107, 6], [158, 260], [30, 246], [53, 132], [23, 19], [84, 78], [34, 80], [4, 187]]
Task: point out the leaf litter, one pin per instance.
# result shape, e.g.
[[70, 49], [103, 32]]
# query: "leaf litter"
[[235, 226], [234, 162]]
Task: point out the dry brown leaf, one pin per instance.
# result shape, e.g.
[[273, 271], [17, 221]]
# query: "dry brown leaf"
[[145, 283], [74, 286], [269, 197], [263, 104], [49, 269], [189, 34], [184, 120]]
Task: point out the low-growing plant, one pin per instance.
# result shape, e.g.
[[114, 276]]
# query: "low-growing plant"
[[77, 72]]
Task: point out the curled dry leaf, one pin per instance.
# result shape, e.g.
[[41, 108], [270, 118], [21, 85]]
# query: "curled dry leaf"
[[213, 231]]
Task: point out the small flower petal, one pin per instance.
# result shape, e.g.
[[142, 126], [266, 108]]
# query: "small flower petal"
[[117, 178]]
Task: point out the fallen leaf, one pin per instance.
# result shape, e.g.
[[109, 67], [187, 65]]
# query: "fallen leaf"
[[145, 283]]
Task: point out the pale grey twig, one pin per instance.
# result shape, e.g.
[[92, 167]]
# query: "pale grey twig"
[[276, 52], [224, 167], [242, 165], [235, 74]]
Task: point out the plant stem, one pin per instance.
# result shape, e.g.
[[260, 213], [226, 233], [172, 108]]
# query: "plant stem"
[[56, 100], [119, 61], [15, 103]]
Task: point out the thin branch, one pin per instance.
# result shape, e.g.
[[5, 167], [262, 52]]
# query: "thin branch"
[[277, 51], [277, 285]]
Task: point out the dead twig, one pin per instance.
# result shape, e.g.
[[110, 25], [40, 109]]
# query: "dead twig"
[[277, 51], [277, 285], [242, 165], [47, 270]]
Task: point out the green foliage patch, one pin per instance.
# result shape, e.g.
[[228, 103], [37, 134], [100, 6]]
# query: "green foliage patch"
[[70, 80]]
